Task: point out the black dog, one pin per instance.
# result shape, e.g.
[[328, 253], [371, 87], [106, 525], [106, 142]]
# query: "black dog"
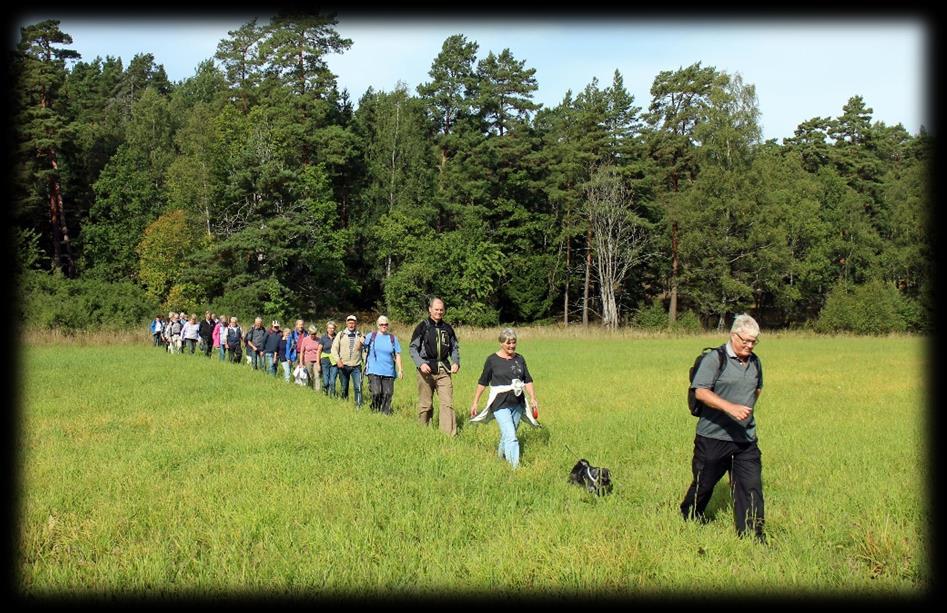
[[597, 481]]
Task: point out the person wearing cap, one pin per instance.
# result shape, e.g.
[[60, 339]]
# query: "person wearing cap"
[[271, 343], [347, 351], [310, 350], [329, 369], [436, 353], [255, 338], [382, 363]]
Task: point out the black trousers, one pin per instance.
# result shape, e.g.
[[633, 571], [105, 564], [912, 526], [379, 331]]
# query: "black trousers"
[[713, 458], [208, 346], [381, 390]]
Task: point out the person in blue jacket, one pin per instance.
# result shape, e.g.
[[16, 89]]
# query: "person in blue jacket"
[[383, 362], [156, 326]]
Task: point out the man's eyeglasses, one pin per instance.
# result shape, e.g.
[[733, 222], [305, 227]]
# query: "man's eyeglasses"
[[752, 342]]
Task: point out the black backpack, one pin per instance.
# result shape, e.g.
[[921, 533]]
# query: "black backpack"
[[693, 404]]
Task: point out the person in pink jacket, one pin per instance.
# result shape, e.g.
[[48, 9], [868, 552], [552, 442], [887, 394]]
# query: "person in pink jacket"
[[310, 353], [215, 336]]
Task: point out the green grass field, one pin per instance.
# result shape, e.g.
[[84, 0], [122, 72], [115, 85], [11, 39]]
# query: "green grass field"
[[143, 473]]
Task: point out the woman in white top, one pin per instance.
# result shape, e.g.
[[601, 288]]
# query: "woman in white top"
[[189, 333]]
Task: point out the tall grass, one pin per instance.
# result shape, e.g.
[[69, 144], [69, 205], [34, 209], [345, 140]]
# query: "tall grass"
[[147, 473]]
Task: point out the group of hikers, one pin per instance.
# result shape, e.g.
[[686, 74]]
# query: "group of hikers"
[[724, 387], [306, 357]]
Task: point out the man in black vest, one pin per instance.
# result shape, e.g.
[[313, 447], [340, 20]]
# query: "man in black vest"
[[436, 353]]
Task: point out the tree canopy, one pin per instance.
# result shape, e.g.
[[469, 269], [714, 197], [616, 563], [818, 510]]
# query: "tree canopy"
[[256, 186]]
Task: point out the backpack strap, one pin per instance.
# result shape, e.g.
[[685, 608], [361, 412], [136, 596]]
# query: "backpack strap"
[[371, 343], [722, 356]]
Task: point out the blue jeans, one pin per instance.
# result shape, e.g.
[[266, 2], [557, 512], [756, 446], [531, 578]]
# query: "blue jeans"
[[329, 375], [271, 363], [355, 372], [286, 369], [508, 419], [256, 359], [223, 352]]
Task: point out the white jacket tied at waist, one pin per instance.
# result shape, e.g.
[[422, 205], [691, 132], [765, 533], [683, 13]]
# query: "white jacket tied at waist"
[[486, 414]]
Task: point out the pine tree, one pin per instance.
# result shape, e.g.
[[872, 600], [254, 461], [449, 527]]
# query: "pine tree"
[[40, 68]]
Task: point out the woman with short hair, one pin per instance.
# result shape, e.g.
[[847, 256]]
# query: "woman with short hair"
[[506, 374], [330, 371], [310, 352]]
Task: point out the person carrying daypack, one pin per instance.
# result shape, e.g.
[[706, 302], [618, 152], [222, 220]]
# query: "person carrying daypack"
[[382, 363], [176, 327], [347, 351], [234, 336], [724, 399], [435, 351], [156, 326]]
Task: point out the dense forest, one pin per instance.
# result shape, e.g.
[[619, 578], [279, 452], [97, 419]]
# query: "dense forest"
[[256, 187]]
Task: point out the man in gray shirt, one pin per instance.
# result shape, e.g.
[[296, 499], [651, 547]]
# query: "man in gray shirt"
[[726, 431]]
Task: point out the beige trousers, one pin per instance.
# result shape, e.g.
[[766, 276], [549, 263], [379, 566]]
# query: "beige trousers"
[[442, 382]]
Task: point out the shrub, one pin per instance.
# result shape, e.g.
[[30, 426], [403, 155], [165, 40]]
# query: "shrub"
[[688, 322], [474, 314], [652, 317], [51, 301], [871, 308]]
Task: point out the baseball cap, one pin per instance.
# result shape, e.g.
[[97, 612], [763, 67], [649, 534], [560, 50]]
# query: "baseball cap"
[[351, 318]]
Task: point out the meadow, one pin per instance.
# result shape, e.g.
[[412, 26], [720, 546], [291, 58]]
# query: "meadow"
[[147, 474]]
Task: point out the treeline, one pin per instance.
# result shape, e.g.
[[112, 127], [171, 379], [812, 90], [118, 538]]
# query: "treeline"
[[256, 186]]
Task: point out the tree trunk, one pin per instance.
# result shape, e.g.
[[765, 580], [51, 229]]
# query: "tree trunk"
[[588, 277], [672, 309], [54, 225], [565, 300], [609, 306], [61, 230]]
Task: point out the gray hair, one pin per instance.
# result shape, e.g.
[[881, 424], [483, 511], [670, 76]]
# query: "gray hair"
[[507, 334], [745, 324]]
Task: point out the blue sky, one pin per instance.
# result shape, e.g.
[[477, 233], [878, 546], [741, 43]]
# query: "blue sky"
[[801, 67]]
